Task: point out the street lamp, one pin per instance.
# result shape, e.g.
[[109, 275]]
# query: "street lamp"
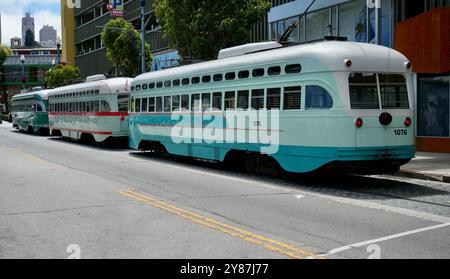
[[22, 60], [58, 45]]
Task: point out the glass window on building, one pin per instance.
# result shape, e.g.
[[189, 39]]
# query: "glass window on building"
[[318, 25], [433, 106], [353, 21]]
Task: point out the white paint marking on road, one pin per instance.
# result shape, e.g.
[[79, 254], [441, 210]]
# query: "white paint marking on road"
[[382, 239], [299, 196]]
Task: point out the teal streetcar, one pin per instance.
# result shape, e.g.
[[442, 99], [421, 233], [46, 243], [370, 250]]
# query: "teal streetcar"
[[92, 112], [30, 112], [332, 104]]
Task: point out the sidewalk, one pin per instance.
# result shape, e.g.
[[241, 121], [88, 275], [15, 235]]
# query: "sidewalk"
[[428, 166]]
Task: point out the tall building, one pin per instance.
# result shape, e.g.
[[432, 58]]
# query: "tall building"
[[27, 24], [47, 36]]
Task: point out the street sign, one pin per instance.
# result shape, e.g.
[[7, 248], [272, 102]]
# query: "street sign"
[[116, 8]]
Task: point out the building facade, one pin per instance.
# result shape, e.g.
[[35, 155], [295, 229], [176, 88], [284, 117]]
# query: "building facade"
[[82, 28], [27, 24], [47, 36], [15, 78]]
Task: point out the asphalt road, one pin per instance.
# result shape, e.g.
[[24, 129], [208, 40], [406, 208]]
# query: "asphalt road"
[[60, 199]]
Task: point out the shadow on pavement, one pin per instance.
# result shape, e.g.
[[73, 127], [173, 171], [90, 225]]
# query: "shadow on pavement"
[[349, 186]]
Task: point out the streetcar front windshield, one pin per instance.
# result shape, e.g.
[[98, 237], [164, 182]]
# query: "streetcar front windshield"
[[122, 102], [378, 91]]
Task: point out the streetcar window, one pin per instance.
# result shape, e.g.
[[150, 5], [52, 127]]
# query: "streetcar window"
[[244, 74], [195, 102], [144, 86], [132, 108], [273, 98], [273, 71], [138, 105], [185, 102], [394, 93], [97, 92], [167, 83], [84, 107], [195, 80], [318, 97], [230, 100], [168, 104], [144, 105], [176, 103], [151, 85], [97, 106], [364, 91], [218, 77], [242, 99], [107, 108], [122, 103], [185, 81], [176, 82], [70, 107], [258, 72], [293, 69], [258, 99], [292, 97], [206, 102], [230, 76], [151, 104], [217, 101], [159, 104], [159, 84], [138, 88], [206, 79], [38, 107]]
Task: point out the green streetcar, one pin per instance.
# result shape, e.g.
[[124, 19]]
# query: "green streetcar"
[[30, 112]]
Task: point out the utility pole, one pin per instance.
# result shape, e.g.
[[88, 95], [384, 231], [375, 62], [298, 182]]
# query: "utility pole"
[[143, 60]]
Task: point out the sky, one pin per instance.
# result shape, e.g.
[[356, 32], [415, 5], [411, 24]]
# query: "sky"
[[45, 12]]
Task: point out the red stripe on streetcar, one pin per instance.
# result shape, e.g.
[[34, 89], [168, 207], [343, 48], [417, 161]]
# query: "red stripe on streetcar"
[[100, 114], [83, 131]]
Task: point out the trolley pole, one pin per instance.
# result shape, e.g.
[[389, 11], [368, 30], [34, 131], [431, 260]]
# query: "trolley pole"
[[143, 60]]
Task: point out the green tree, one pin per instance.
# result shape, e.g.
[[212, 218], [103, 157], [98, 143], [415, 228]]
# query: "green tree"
[[4, 52], [123, 47], [29, 38], [62, 75], [199, 29]]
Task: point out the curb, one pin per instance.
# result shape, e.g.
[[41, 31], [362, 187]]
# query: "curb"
[[423, 176]]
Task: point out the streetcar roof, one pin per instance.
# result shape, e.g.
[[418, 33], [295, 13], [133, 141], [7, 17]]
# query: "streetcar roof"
[[333, 54], [107, 86], [43, 94]]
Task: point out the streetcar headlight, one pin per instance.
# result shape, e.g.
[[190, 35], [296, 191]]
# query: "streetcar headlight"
[[408, 65], [348, 63]]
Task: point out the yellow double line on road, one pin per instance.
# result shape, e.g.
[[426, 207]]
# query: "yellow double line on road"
[[253, 238]]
